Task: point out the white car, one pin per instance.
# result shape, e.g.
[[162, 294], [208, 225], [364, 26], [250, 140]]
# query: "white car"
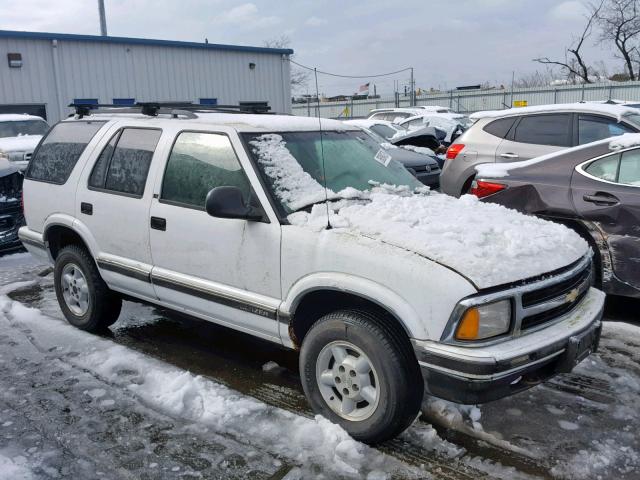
[[317, 241], [19, 136]]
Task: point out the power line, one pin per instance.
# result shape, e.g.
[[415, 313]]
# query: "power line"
[[350, 76]]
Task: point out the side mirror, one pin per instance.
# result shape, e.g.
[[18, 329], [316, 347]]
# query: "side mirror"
[[228, 202]]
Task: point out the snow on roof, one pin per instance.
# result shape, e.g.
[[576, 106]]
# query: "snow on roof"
[[614, 110], [240, 121], [16, 117], [369, 122], [626, 140], [499, 170]]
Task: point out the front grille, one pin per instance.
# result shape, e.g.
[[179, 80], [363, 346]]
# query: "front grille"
[[547, 293], [559, 297]]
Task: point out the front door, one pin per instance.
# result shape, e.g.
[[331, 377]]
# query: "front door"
[[224, 270], [606, 191]]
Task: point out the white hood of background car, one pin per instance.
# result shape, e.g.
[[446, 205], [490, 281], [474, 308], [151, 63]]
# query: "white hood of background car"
[[487, 243], [23, 143]]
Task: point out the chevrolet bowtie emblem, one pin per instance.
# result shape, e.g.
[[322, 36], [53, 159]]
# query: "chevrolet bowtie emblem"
[[572, 295]]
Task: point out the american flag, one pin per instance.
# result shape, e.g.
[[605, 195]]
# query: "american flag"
[[363, 88]]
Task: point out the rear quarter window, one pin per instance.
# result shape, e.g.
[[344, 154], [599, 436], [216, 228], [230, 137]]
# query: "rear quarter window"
[[60, 150], [500, 128]]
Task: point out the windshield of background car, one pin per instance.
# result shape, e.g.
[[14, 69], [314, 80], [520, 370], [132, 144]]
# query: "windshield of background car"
[[383, 131], [296, 166], [23, 127], [633, 118]]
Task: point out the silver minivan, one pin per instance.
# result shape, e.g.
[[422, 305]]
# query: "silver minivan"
[[523, 133]]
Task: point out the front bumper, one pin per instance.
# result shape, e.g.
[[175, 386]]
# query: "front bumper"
[[471, 375], [430, 179]]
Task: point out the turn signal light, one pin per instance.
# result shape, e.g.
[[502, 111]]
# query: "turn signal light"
[[469, 325], [454, 150], [482, 189]]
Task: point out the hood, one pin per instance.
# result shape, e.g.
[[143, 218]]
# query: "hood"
[[23, 143], [488, 244]]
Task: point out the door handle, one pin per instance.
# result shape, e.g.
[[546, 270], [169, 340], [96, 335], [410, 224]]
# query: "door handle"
[[86, 208], [510, 155], [602, 200], [158, 223]]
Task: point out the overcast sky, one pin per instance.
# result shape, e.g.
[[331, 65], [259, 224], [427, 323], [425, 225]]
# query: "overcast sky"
[[448, 42]]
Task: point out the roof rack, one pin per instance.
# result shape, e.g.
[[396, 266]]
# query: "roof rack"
[[175, 109]]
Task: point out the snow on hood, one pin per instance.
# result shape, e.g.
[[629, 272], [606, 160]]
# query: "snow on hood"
[[6, 167], [487, 243], [22, 143]]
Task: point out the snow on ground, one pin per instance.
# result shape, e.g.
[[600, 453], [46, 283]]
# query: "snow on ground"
[[310, 443], [14, 468]]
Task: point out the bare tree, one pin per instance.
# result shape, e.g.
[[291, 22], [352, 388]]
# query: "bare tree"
[[619, 22], [574, 65], [535, 79], [299, 76]]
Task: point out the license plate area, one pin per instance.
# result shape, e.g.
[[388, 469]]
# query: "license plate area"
[[579, 347]]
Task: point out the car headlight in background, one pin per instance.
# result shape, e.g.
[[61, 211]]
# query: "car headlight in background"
[[4, 155], [485, 321]]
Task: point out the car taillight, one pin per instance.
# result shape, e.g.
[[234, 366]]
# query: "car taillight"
[[482, 189], [454, 150]]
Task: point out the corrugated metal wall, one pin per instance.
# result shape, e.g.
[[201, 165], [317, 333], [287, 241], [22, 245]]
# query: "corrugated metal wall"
[[473, 101], [55, 72]]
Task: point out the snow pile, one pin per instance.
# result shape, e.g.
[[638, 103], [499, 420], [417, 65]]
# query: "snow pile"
[[626, 140], [488, 243], [293, 186], [14, 468]]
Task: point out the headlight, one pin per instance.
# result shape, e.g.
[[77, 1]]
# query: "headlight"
[[4, 155], [485, 321]]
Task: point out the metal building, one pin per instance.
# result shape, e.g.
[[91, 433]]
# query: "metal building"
[[41, 73]]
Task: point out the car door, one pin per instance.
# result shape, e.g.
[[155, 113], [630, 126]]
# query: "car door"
[[113, 203], [535, 135], [606, 191], [222, 269]]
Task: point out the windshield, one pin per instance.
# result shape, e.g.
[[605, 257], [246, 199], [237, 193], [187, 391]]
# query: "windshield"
[[634, 118], [384, 131], [23, 127], [291, 166]]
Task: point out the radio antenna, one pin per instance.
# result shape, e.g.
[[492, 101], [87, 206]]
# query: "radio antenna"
[[324, 172]]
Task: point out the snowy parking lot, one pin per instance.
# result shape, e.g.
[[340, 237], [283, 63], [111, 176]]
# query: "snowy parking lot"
[[163, 396]]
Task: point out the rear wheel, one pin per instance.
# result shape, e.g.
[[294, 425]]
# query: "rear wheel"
[[84, 298], [359, 371]]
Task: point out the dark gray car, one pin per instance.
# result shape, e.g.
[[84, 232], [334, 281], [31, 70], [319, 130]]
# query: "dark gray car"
[[595, 190], [11, 218]]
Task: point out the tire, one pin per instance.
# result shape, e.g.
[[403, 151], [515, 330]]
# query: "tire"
[[395, 374], [102, 305]]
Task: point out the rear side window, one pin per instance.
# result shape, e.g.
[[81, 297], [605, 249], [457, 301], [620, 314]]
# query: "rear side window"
[[592, 128], [198, 163], [500, 128], [124, 162], [605, 168], [629, 171], [553, 130], [60, 150]]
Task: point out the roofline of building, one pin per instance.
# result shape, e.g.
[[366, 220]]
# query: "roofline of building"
[[140, 41]]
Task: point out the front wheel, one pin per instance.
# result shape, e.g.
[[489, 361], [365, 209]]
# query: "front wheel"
[[85, 300], [359, 371]]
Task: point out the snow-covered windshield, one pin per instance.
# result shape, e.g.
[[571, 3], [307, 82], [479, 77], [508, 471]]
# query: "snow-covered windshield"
[[22, 127], [291, 165]]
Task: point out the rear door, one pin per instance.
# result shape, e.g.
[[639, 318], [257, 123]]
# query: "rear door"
[[606, 191], [536, 135], [113, 204]]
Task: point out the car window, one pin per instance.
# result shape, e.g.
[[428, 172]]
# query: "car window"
[[500, 127], [198, 163], [605, 168], [124, 163], [383, 131], [551, 130], [378, 116], [60, 150], [418, 122], [629, 172], [23, 127], [592, 128]]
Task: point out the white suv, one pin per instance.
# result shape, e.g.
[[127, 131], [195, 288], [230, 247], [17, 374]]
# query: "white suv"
[[314, 240]]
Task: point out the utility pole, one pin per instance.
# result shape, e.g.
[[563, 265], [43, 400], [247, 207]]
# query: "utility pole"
[[412, 98], [103, 18]]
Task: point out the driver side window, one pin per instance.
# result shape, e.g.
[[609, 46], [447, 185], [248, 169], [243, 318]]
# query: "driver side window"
[[198, 163]]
